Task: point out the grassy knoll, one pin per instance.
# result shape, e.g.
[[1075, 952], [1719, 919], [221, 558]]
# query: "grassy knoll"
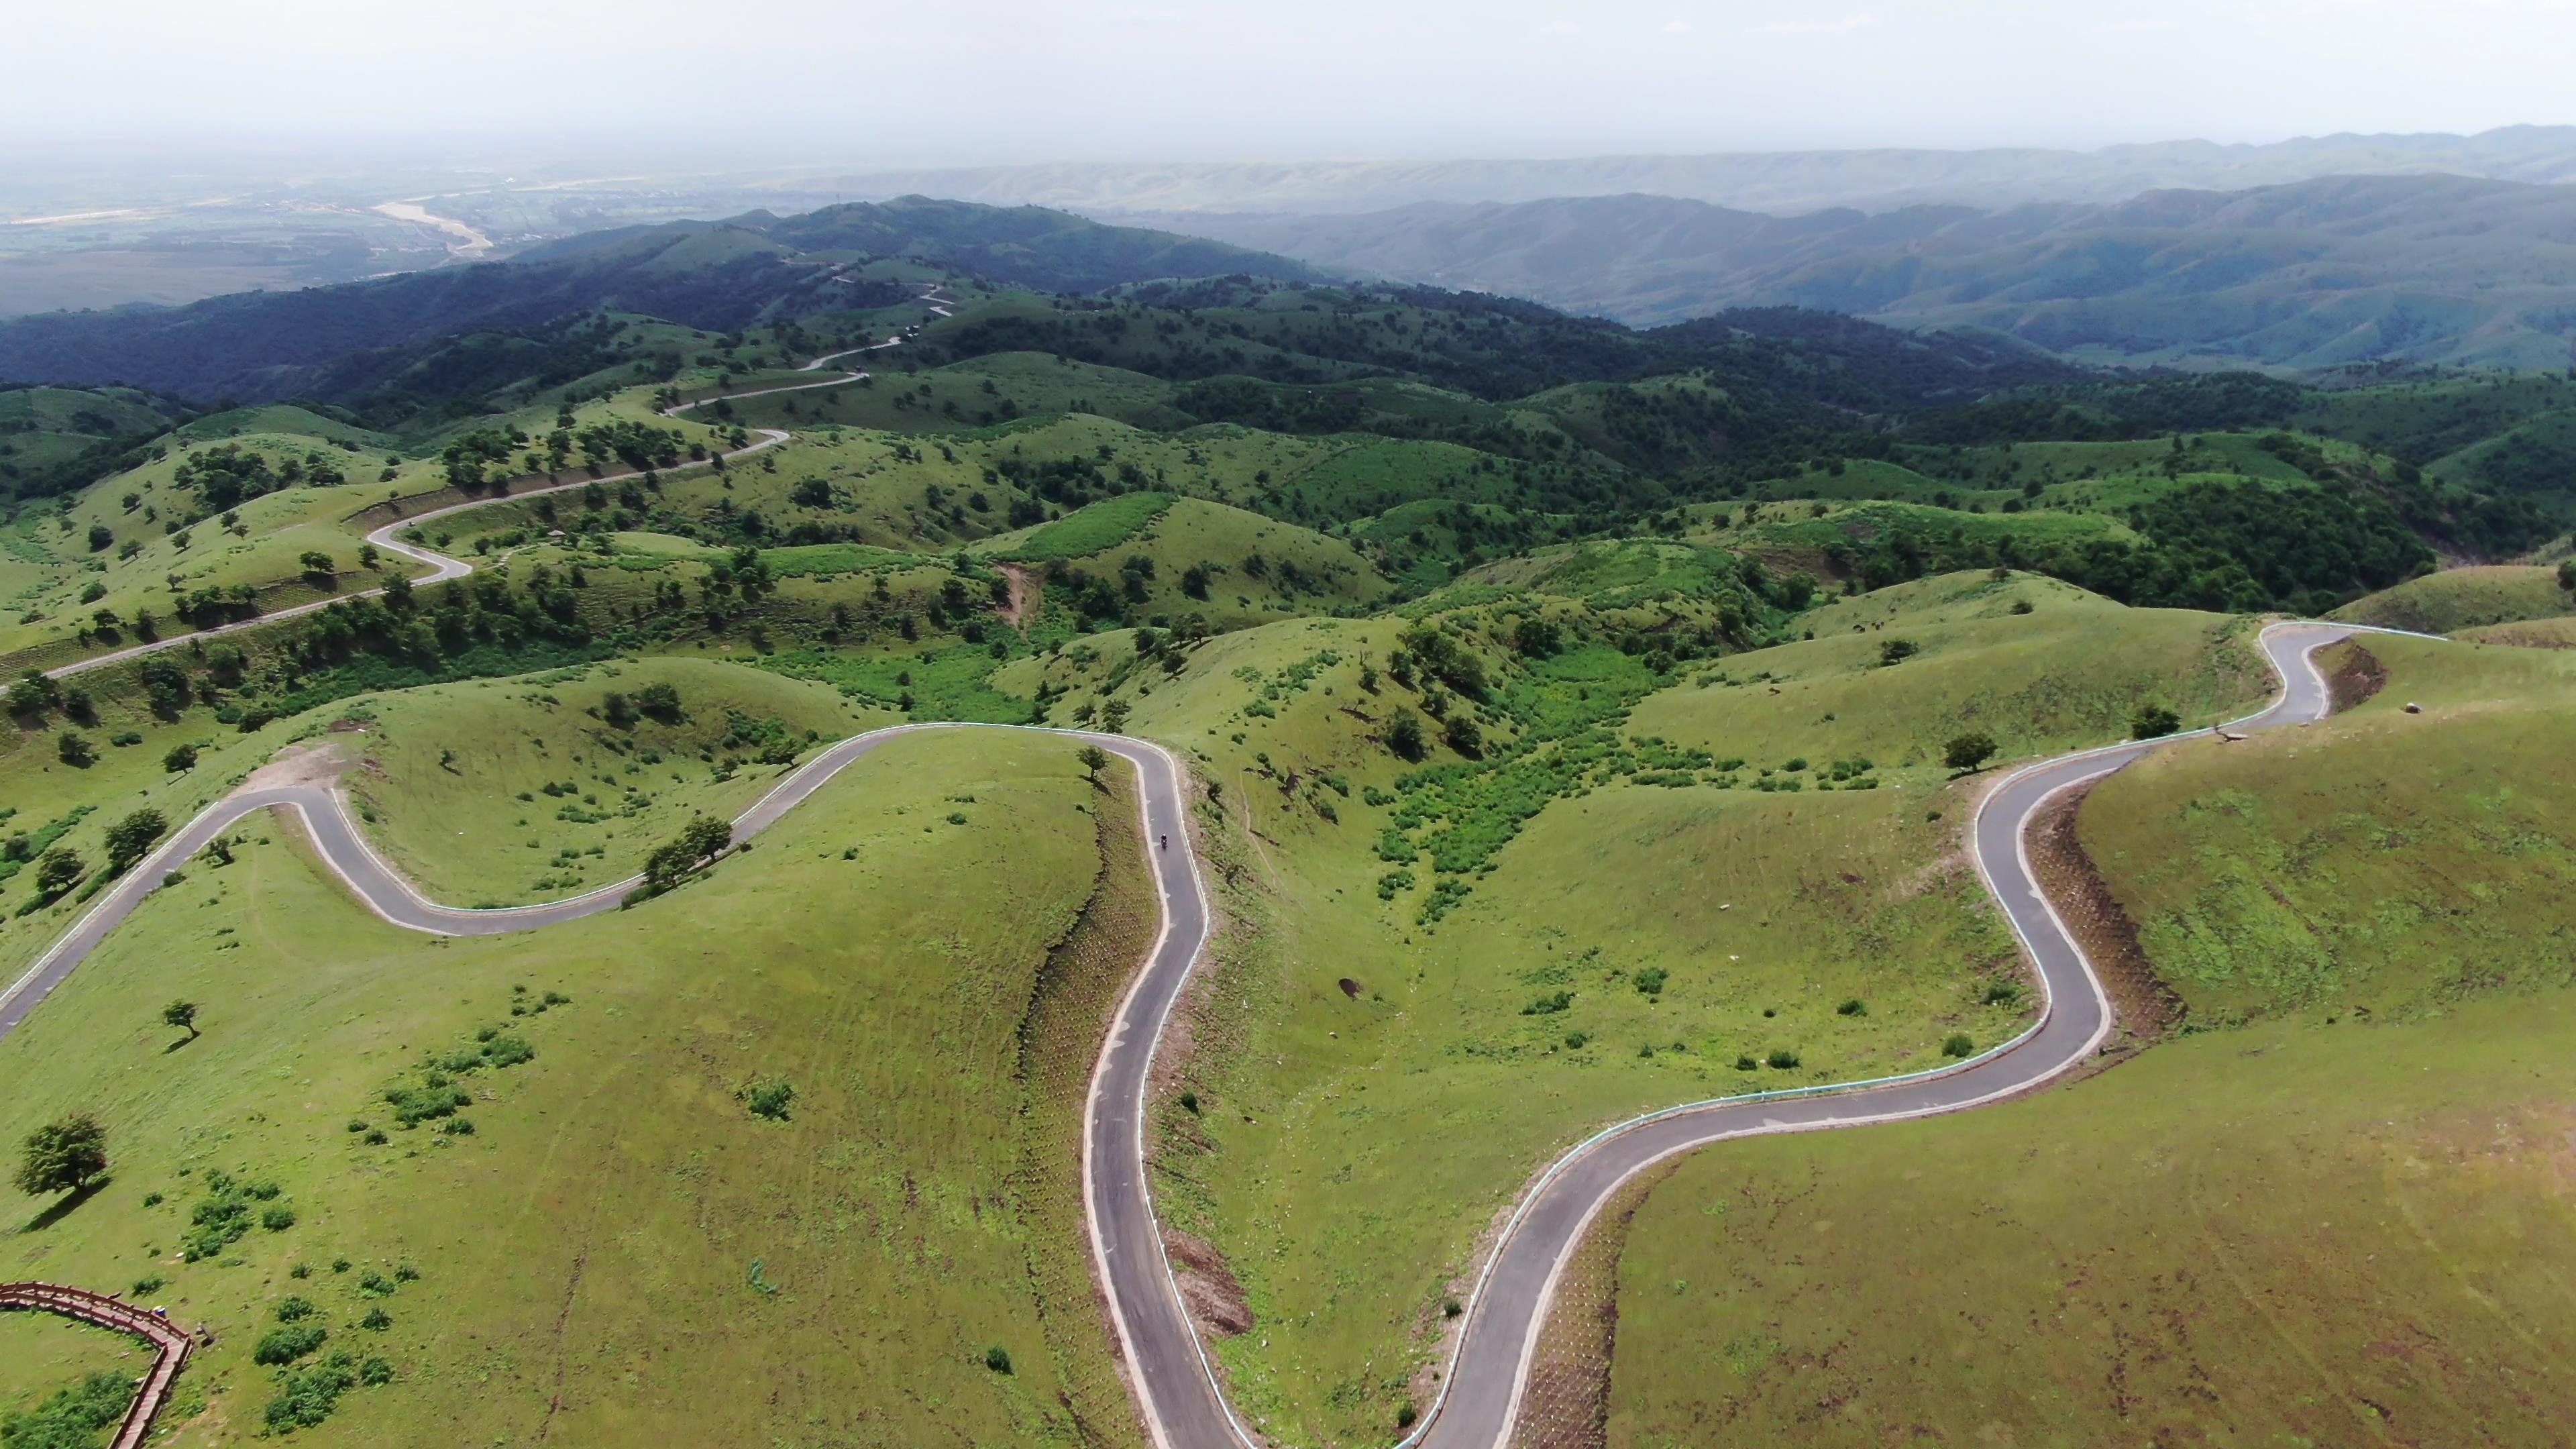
[[1093, 529], [2384, 864], [505, 791], [1165, 558], [2324, 1225], [2069, 672], [2464, 598], [1444, 974], [620, 1245]]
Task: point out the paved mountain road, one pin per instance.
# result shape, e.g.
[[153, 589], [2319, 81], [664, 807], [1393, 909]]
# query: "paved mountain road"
[[1483, 1384]]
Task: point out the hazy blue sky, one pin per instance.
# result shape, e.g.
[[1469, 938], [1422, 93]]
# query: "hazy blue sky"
[[990, 80]]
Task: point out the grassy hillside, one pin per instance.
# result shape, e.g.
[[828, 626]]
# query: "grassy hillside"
[[2464, 598], [2427, 817], [2323, 1215], [445, 769], [620, 1241], [1638, 889], [2283, 1234]]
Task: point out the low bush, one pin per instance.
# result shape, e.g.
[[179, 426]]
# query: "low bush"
[[1958, 1045], [289, 1343], [1782, 1060], [770, 1099]]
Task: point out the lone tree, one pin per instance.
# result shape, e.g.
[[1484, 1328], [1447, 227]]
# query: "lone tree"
[[2152, 722], [2567, 574], [704, 839], [34, 693], [131, 838], [1094, 759], [1404, 734], [60, 868], [63, 1154], [182, 1014], [1968, 751]]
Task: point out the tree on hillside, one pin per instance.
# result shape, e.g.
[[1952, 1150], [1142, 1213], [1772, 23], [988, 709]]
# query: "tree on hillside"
[[75, 750], [1094, 759], [1535, 637], [129, 839], [33, 693], [182, 1014], [2567, 575], [661, 701], [58, 870], [181, 757], [1968, 751], [2153, 721], [701, 841], [1404, 734], [65, 1153]]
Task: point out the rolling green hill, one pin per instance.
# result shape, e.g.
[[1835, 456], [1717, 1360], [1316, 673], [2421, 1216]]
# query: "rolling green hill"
[[2257, 1229]]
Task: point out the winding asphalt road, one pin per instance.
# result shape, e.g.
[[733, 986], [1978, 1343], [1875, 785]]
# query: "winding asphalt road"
[[1483, 1384]]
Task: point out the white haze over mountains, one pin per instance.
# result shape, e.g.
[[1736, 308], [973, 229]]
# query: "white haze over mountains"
[[1783, 183]]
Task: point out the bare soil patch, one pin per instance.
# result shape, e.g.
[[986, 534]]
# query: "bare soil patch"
[[2143, 1006], [1023, 608], [1216, 1299], [2353, 674]]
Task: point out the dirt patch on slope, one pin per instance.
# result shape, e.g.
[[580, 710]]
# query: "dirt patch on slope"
[[1022, 610], [2145, 1007], [1215, 1297], [2353, 674], [320, 762], [1567, 1403]]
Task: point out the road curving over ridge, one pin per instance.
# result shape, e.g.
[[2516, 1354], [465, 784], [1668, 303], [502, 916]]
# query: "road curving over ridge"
[[1183, 1406]]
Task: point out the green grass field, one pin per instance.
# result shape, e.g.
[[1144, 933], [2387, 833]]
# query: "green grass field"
[[2324, 1214], [620, 1246]]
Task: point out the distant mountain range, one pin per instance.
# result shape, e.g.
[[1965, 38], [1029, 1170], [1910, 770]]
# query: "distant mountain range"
[[1780, 182], [2314, 273], [339, 342]]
